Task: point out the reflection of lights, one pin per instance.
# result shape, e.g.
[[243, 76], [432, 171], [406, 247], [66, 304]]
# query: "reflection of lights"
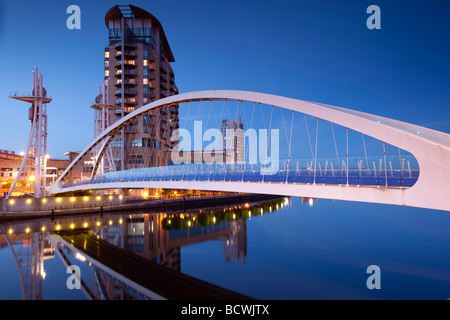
[[262, 211], [214, 219], [286, 201], [80, 257], [310, 202], [270, 208], [249, 213], [169, 221], [43, 274], [189, 223], [234, 216]]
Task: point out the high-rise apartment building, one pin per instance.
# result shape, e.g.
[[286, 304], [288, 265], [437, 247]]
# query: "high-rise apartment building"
[[138, 65]]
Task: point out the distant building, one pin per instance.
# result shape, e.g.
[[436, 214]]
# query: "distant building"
[[233, 140], [10, 163]]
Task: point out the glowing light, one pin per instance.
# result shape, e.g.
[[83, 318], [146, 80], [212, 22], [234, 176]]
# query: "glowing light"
[[10, 231], [32, 178], [22, 154], [43, 229], [145, 194], [99, 198], [86, 198], [28, 201], [120, 221], [169, 221], [311, 202], [234, 216], [110, 197], [85, 225], [43, 274], [27, 230], [262, 211], [214, 219], [11, 201], [44, 200], [58, 227], [157, 194], [72, 226], [121, 197], [80, 257], [58, 200], [189, 223], [72, 199], [249, 213], [98, 223], [110, 222], [246, 205]]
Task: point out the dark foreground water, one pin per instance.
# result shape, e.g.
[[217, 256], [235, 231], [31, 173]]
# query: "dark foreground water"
[[302, 250]]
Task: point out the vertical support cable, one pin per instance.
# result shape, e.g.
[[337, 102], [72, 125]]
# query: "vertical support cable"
[[385, 168], [290, 144], [347, 155], [315, 155]]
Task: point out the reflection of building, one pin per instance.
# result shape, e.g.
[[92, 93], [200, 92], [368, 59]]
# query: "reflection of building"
[[137, 63], [235, 247], [145, 236], [233, 140]]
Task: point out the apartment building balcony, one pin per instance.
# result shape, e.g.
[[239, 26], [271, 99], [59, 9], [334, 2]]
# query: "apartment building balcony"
[[163, 69], [127, 63], [119, 54], [127, 82], [126, 91], [163, 85], [127, 101], [163, 94], [163, 77], [127, 45]]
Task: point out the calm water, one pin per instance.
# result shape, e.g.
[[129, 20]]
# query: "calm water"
[[298, 251]]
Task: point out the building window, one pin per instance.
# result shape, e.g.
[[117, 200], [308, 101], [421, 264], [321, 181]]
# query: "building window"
[[106, 54]]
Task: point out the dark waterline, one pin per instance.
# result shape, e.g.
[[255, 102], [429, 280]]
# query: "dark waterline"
[[296, 252]]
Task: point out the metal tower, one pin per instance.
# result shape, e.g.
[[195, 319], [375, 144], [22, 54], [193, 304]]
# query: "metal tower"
[[102, 120], [33, 170]]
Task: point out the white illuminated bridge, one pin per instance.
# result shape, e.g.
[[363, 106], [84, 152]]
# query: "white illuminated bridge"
[[324, 152]]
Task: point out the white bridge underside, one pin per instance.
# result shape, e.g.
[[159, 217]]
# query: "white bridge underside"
[[431, 149]]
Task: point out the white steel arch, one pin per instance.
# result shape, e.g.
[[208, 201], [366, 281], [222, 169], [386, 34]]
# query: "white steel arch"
[[431, 149]]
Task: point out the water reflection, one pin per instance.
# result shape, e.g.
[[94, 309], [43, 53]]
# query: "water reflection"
[[136, 256]]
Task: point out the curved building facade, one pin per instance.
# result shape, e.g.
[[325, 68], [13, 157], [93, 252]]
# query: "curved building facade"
[[138, 71]]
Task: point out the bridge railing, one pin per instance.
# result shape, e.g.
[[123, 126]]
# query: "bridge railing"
[[394, 172]]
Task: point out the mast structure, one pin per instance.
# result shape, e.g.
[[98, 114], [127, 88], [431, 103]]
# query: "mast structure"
[[103, 157], [31, 179]]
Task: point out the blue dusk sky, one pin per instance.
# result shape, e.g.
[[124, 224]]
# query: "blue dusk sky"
[[314, 50]]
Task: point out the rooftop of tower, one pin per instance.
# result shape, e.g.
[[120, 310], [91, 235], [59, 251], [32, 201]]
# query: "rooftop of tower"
[[132, 12]]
